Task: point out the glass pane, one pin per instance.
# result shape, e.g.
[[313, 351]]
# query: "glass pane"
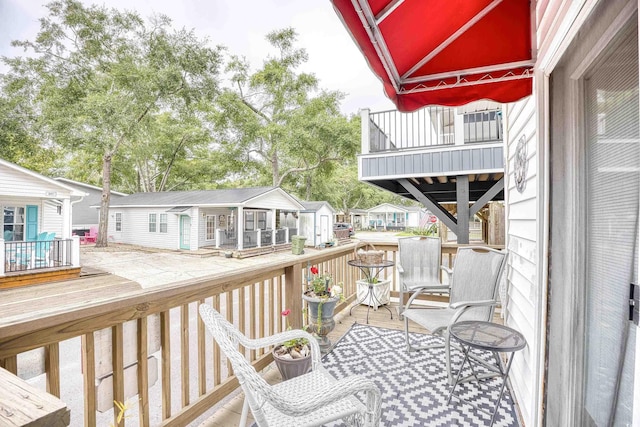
[[613, 159]]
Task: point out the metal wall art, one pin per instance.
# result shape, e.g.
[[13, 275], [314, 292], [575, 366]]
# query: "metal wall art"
[[520, 164]]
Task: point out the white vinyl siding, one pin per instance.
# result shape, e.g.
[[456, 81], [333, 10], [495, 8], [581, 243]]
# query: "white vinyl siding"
[[135, 229], [522, 222]]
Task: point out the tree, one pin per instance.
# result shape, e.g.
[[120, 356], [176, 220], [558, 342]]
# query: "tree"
[[100, 74], [270, 120]]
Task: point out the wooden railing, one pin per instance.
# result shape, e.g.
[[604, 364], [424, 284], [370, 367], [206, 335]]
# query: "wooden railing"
[[142, 326]]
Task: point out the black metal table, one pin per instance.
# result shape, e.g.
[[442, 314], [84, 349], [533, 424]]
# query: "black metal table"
[[371, 273], [491, 337]]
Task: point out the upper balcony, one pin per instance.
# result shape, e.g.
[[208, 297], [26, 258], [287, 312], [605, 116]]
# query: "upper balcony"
[[432, 147]]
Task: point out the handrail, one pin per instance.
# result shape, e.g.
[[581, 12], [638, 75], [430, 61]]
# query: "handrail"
[[73, 309]]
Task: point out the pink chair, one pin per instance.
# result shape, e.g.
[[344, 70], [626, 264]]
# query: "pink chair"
[[90, 237]]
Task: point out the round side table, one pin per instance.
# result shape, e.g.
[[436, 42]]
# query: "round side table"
[[491, 337], [370, 273]]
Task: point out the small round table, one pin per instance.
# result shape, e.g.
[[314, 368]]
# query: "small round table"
[[371, 273], [489, 337]]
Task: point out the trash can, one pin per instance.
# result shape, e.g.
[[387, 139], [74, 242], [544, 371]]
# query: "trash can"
[[297, 245]]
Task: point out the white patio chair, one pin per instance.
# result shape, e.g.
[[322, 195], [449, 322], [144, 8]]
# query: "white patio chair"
[[419, 267], [311, 399], [473, 296]]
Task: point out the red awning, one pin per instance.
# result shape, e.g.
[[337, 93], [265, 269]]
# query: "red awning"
[[444, 52]]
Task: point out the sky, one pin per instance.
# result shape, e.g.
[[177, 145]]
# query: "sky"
[[241, 25]]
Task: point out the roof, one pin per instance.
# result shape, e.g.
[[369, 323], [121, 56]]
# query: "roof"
[[388, 207], [224, 197], [85, 185], [73, 191], [316, 205]]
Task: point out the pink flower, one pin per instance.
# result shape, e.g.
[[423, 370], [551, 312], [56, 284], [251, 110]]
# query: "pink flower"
[[286, 312], [314, 270]]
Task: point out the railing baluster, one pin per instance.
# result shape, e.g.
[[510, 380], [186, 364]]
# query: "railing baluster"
[[202, 364], [10, 364], [143, 373], [272, 305], [89, 379], [261, 315], [184, 353], [117, 363], [242, 318], [229, 308], [217, 365], [165, 344], [252, 317]]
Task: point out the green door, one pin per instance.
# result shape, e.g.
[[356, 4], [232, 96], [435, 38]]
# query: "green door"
[[31, 223], [185, 232]]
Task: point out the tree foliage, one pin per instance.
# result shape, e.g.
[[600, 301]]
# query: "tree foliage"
[[107, 81], [276, 120]]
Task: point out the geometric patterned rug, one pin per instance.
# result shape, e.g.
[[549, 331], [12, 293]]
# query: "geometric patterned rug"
[[414, 385]]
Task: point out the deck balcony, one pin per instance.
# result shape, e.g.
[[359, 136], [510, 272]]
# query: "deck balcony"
[[32, 262], [437, 156], [96, 340]]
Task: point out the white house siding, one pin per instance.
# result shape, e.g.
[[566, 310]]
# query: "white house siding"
[[524, 288], [271, 200], [50, 220], [202, 224], [135, 228], [310, 226], [19, 184]]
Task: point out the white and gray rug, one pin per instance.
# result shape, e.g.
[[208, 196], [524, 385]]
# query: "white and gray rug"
[[414, 385]]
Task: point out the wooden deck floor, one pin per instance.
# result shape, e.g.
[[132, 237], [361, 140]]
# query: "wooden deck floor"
[[228, 414]]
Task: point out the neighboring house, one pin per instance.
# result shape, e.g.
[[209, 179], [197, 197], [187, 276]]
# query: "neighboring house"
[[392, 217], [85, 213], [232, 219], [571, 182], [32, 204], [358, 218], [316, 223]]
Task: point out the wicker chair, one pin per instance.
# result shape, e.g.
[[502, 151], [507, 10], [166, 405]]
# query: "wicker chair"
[[419, 267], [311, 399], [473, 296]]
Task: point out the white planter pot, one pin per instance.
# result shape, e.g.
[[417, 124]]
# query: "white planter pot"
[[381, 292]]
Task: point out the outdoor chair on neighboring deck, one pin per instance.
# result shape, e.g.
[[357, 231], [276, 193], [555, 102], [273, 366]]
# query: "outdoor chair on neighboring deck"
[[419, 267], [91, 237], [311, 399], [473, 295]]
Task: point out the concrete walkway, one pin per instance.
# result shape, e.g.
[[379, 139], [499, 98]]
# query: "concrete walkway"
[[160, 267]]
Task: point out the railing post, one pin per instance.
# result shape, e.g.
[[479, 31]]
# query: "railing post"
[[286, 234], [293, 293], [75, 251], [259, 238], [364, 130], [218, 237]]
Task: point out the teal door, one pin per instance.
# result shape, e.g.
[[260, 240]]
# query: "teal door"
[[31, 223], [185, 232]]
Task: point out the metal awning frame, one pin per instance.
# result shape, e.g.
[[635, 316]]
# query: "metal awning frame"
[[506, 71]]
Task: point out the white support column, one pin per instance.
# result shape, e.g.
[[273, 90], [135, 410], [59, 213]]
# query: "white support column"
[[75, 251], [259, 237], [274, 232], [240, 228], [66, 218], [286, 234], [458, 127], [218, 237], [364, 130]]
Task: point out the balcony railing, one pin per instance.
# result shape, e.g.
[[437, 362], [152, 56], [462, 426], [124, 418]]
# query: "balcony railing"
[[37, 255], [127, 337], [281, 237], [431, 127]]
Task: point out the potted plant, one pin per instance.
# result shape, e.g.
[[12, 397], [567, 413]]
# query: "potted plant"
[[293, 357], [321, 297]]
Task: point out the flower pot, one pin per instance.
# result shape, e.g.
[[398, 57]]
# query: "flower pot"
[[321, 320], [228, 254], [291, 368]]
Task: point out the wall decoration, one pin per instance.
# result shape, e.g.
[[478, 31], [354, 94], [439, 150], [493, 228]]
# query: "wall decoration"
[[520, 164]]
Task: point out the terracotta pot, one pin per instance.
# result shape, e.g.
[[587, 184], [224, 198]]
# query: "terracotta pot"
[[291, 368]]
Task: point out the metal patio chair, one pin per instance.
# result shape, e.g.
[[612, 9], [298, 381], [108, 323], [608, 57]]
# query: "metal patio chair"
[[473, 295], [419, 267], [311, 399]]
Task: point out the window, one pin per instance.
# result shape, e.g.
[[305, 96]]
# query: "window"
[[163, 223], [211, 227], [262, 220], [118, 221], [152, 223], [249, 221], [13, 223]]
